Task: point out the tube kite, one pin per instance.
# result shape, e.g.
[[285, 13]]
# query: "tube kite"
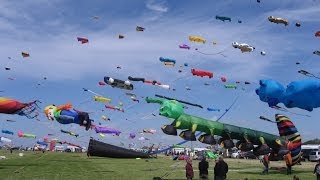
[[69, 132], [20, 134], [118, 83], [197, 39], [197, 72], [64, 115], [278, 20], [289, 139], [107, 130], [184, 46], [167, 60], [101, 99], [230, 86], [114, 108], [223, 18], [7, 132]]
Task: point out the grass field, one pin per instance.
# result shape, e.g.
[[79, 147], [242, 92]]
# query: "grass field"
[[55, 165]]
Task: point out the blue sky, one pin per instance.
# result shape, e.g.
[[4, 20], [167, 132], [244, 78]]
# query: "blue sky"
[[48, 31]]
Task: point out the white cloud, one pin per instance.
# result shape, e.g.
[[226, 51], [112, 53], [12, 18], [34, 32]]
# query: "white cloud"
[[157, 6]]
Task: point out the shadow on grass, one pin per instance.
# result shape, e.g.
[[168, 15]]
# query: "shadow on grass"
[[68, 160], [150, 169], [273, 172], [19, 165], [103, 171]]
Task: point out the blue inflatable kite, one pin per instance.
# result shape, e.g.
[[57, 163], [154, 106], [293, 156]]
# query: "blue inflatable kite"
[[304, 94]]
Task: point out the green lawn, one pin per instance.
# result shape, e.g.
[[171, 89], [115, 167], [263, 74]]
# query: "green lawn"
[[55, 165]]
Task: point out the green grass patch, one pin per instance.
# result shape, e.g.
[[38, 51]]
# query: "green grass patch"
[[56, 165]]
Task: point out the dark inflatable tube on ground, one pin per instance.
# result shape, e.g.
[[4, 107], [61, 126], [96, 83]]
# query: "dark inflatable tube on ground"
[[100, 149]]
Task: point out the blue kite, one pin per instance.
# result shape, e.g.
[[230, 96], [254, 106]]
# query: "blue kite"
[[303, 94]]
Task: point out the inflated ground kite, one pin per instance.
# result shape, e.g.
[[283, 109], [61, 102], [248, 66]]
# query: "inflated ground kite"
[[82, 40], [197, 39], [223, 18], [64, 115], [10, 106], [107, 130], [290, 139], [7, 132], [69, 132], [278, 20], [304, 94], [118, 83], [21, 134], [197, 72]]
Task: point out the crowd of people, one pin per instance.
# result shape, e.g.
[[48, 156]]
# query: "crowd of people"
[[221, 168]]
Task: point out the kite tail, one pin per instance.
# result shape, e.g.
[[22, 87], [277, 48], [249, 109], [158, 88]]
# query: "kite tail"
[[65, 107], [288, 131]]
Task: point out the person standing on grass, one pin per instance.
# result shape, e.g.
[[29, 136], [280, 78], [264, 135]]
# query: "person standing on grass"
[[189, 169], [265, 162], [220, 169], [288, 160], [316, 171], [203, 168]]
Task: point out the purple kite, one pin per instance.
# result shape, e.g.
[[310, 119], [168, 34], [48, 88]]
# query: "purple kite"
[[132, 135], [107, 130]]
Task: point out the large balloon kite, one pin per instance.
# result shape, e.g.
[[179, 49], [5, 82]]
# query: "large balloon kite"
[[304, 94], [10, 106], [64, 115], [290, 139]]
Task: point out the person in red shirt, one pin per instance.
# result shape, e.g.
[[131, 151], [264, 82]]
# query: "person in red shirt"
[[189, 169]]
